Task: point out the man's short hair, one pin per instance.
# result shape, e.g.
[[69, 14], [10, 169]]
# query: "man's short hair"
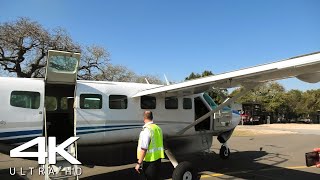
[[148, 115]]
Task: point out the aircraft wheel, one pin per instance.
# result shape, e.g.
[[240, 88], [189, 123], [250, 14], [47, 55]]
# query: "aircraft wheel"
[[224, 152], [184, 171]]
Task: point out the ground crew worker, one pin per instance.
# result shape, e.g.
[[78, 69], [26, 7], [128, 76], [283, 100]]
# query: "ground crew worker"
[[150, 149]]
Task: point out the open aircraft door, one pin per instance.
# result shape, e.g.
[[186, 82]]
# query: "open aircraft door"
[[60, 88], [60, 85], [62, 67]]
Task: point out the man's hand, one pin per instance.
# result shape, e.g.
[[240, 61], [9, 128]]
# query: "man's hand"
[[317, 150], [141, 155], [137, 168]]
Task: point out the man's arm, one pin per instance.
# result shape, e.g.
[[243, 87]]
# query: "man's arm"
[[145, 140], [142, 155]]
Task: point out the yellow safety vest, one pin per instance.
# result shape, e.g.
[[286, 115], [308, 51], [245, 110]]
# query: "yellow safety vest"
[[155, 150]]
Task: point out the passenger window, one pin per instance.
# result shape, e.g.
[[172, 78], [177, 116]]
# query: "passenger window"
[[50, 103], [148, 102], [90, 101], [118, 102], [25, 99], [187, 103], [171, 103], [64, 103]]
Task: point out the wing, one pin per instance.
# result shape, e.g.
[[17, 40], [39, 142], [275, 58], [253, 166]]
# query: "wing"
[[305, 68]]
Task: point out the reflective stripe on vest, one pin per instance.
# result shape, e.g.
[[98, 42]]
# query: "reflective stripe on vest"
[[155, 149]]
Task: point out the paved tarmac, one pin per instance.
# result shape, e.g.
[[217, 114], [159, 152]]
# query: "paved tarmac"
[[279, 156]]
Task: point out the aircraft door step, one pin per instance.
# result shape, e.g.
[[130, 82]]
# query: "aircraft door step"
[[63, 169]]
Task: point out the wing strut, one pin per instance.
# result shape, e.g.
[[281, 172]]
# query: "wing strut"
[[225, 103]]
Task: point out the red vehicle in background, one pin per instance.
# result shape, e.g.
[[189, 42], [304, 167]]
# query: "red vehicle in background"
[[251, 113]]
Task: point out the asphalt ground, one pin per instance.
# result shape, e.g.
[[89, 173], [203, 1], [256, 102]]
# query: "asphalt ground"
[[253, 156]]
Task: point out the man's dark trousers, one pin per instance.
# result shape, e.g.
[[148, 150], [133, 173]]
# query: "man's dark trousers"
[[151, 169]]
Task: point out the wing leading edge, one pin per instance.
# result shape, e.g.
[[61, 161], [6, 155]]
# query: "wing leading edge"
[[305, 68]]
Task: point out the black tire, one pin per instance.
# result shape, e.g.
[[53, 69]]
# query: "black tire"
[[184, 171], [224, 152]]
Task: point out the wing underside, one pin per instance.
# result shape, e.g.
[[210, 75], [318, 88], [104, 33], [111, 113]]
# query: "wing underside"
[[305, 68]]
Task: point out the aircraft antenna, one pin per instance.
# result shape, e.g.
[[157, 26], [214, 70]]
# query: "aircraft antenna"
[[146, 80], [165, 77]]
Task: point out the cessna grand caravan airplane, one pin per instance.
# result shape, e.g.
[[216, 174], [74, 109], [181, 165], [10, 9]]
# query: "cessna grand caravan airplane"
[[108, 113]]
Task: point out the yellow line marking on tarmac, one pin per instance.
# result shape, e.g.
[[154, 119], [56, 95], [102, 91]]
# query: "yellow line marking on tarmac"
[[239, 172], [297, 167]]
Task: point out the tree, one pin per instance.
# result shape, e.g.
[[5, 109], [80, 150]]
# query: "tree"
[[94, 63], [215, 95], [24, 44], [123, 74], [270, 95], [294, 106], [152, 79], [192, 76], [197, 75], [116, 73], [311, 102]]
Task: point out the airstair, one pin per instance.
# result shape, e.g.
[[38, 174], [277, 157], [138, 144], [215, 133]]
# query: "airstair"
[[63, 169]]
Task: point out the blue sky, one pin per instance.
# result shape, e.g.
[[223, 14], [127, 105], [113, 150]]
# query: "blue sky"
[[177, 37]]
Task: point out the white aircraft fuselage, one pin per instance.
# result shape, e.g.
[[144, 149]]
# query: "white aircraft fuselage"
[[109, 114], [106, 122]]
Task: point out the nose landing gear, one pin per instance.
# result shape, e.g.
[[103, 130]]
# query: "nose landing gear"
[[224, 151]]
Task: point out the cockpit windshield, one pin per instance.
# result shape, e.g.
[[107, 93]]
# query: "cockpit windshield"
[[212, 104], [210, 101]]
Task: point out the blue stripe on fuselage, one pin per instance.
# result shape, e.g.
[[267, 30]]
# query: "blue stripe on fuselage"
[[19, 133], [113, 126], [15, 136], [17, 140]]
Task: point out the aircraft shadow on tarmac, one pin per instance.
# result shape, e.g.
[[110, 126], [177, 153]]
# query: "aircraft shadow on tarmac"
[[242, 165]]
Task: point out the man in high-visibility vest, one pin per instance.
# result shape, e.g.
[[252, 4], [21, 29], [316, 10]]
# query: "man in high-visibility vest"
[[150, 149]]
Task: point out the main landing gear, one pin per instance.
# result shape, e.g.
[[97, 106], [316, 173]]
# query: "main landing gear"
[[183, 170]]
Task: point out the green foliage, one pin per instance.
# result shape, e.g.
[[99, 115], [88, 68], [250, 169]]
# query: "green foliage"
[[311, 101], [197, 75], [219, 95], [276, 100]]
